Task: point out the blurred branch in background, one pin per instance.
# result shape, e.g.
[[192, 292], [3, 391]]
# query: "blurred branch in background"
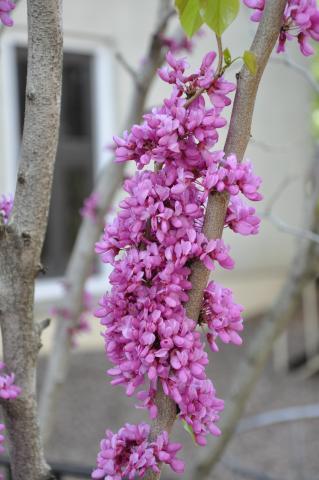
[[80, 264], [305, 72], [280, 224], [304, 268]]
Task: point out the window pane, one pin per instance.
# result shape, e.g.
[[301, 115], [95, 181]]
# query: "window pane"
[[73, 177]]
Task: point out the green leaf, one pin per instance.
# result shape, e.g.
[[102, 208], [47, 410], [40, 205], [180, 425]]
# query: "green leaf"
[[189, 430], [189, 15], [219, 14], [250, 61], [227, 56]]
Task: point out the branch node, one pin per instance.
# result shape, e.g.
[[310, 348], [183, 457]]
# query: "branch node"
[[30, 95], [40, 269], [21, 179], [26, 237]]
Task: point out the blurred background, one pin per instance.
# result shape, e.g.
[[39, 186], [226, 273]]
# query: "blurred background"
[[104, 40]]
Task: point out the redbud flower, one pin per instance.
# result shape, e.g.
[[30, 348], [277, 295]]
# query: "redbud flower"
[[151, 244], [128, 453], [300, 20], [8, 389], [222, 314], [241, 218], [90, 207], [6, 205], [6, 6]]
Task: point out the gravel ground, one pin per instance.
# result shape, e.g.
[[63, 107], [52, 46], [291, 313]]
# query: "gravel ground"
[[89, 404]]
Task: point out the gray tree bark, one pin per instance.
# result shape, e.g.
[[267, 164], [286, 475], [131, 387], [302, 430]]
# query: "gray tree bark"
[[21, 241], [236, 142]]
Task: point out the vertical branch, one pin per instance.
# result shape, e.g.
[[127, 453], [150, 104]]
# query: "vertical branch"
[[304, 269], [22, 240], [236, 142], [81, 260]]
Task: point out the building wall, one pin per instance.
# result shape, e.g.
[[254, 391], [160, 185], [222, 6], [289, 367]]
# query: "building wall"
[[281, 145]]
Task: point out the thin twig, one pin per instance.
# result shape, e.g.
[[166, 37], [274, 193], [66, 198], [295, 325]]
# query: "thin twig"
[[275, 417], [304, 269], [129, 69], [220, 56], [247, 473], [286, 60], [291, 230]]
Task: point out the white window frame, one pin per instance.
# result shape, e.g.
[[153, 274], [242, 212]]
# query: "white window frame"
[[101, 49]]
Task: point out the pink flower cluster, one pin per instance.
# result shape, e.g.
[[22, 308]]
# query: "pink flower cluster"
[[83, 323], [6, 6], [158, 233], [90, 207], [176, 45], [8, 389], [6, 205], [128, 453], [300, 20], [242, 218], [222, 315], [2, 439]]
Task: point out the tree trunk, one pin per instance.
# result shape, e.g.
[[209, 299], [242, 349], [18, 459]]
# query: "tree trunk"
[[21, 241]]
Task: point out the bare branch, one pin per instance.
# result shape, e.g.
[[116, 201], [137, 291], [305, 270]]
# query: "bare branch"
[[22, 243], [246, 473], [278, 222], [290, 229], [286, 60], [130, 70], [275, 417], [283, 185]]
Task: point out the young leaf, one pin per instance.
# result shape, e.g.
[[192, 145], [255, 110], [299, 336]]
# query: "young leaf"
[[189, 430], [219, 14], [250, 61], [227, 56], [189, 15]]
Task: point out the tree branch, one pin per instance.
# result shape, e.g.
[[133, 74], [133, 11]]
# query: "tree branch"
[[286, 60], [236, 142], [22, 241], [81, 260], [129, 69], [304, 269]]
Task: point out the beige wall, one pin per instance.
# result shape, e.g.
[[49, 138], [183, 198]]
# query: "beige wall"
[[281, 120]]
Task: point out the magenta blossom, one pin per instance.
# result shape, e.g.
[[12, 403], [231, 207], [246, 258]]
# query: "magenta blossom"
[[2, 439], [90, 207], [6, 6], [6, 206], [152, 242], [241, 218], [222, 315], [177, 45], [129, 454], [300, 20], [82, 325], [8, 389]]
